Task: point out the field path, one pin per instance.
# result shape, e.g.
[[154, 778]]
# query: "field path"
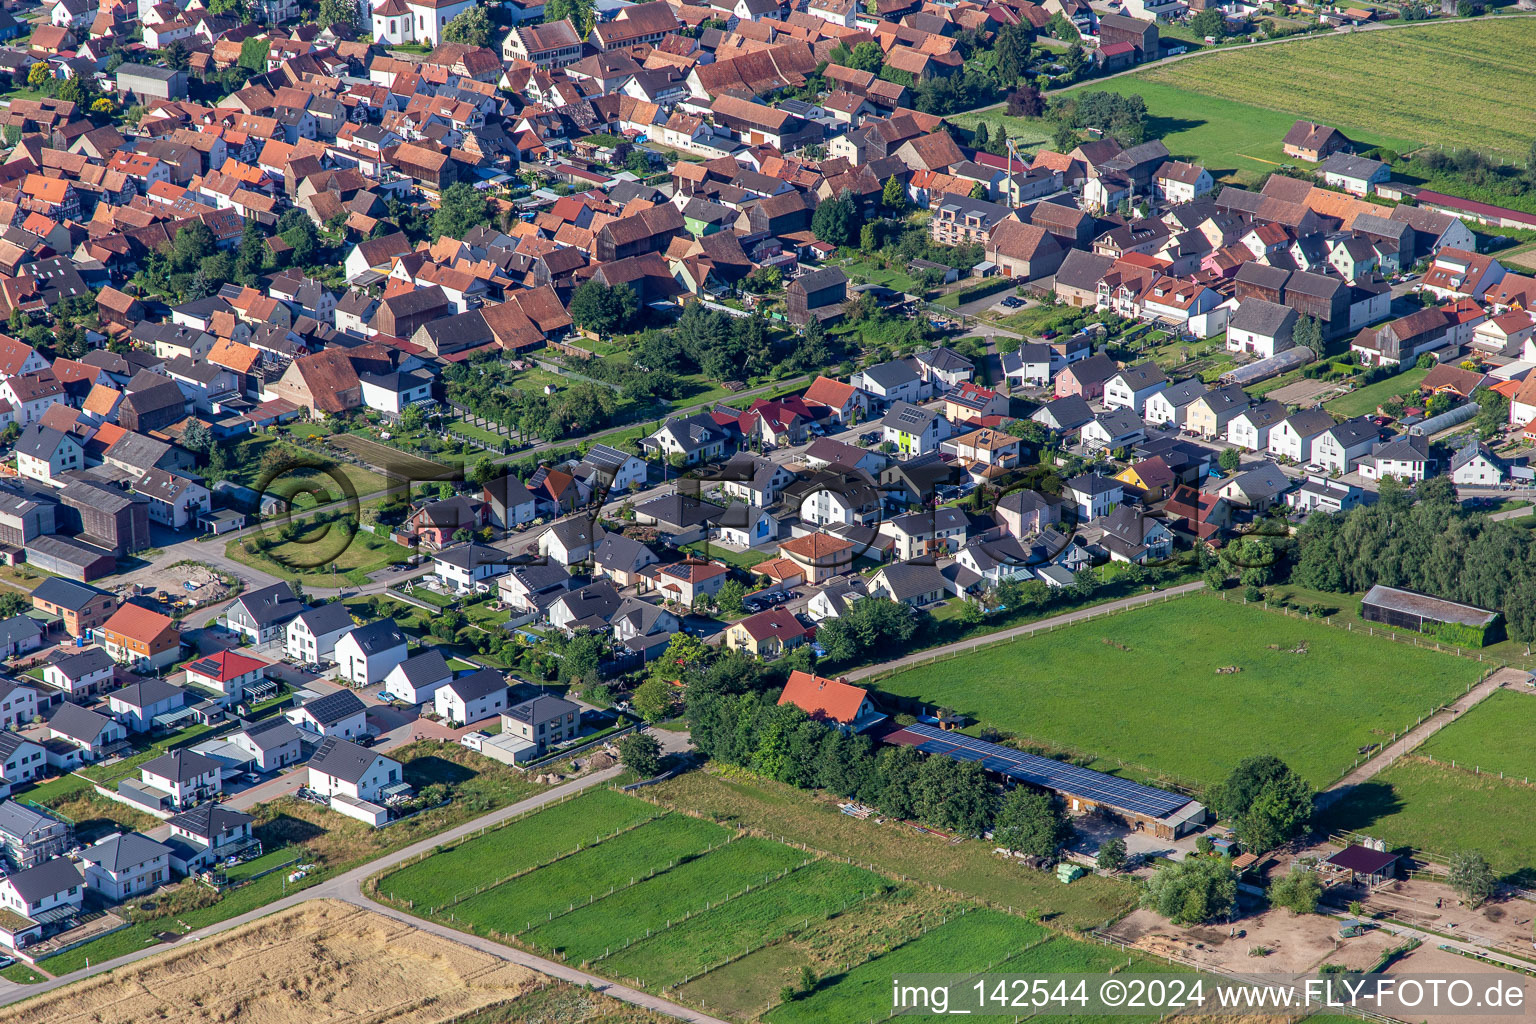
[[1066, 618], [1411, 739], [348, 887]]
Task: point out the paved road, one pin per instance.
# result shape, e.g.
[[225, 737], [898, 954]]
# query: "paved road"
[[347, 887], [1411, 739], [1066, 618]]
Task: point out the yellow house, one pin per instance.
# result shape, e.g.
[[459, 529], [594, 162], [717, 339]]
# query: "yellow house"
[[1151, 477], [768, 634]]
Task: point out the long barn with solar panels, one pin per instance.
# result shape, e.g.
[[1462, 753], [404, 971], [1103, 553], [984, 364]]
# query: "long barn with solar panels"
[[1167, 815]]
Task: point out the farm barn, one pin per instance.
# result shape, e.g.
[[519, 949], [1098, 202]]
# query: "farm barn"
[[1164, 814], [1408, 609]]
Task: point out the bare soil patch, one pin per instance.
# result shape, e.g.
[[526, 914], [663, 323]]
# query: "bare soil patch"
[[319, 963]]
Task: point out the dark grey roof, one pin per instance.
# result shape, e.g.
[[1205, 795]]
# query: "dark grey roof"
[[891, 374], [17, 820], [912, 579], [1068, 413], [542, 709], [471, 556], [1310, 422], [180, 765], [343, 759], [1350, 166], [1267, 319], [41, 442], [149, 691], [333, 707], [910, 418], [1142, 375], [481, 683], [621, 553], [77, 723], [271, 605], [676, 509], [1355, 431], [124, 851], [273, 733], [1083, 270], [210, 819], [327, 618], [377, 636], [427, 667], [1092, 483], [1181, 393], [49, 878], [19, 628]]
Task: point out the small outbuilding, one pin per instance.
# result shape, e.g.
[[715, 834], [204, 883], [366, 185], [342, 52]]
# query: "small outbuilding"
[[1361, 864], [1408, 609]]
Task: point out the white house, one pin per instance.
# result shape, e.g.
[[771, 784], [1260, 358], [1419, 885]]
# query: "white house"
[[1476, 466], [914, 429], [1092, 495], [272, 744], [343, 768], [80, 674], [126, 864], [312, 635], [341, 713], [472, 698], [1294, 437], [614, 471], [415, 680], [229, 673], [1250, 428], [1339, 448], [895, 381], [1132, 386], [186, 777], [137, 704], [464, 566], [367, 653], [21, 760], [1168, 406], [44, 454], [1180, 182], [53, 885], [1405, 457], [1260, 328]]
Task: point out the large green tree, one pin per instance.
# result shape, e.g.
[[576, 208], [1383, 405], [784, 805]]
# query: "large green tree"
[[462, 206], [1194, 890], [836, 220], [1268, 802], [597, 307], [471, 27], [1032, 823]]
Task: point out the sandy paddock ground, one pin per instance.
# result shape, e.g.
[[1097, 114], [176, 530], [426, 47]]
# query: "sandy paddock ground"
[[324, 962], [1295, 944]]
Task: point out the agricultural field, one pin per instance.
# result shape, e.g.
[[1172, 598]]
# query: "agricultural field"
[[1499, 735], [966, 943], [803, 897], [1457, 84], [525, 843], [596, 871], [1441, 810], [655, 904], [1084, 689]]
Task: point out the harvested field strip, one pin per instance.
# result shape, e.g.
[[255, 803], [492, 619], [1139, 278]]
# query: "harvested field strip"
[[812, 894], [587, 876], [965, 944], [518, 846], [656, 904], [1457, 84]]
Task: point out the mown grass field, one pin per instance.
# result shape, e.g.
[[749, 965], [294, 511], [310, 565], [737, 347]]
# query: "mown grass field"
[[1458, 84], [1236, 141], [526, 843], [1363, 401], [593, 873], [963, 944], [1443, 810], [652, 905], [1499, 735], [807, 895], [1143, 686]]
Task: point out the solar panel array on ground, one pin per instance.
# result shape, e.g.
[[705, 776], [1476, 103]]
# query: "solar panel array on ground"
[[1046, 773]]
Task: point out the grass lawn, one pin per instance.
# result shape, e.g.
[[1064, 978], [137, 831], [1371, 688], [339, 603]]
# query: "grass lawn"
[[1443, 810], [1460, 83], [894, 277], [1499, 735], [310, 482], [319, 556], [1076, 688], [968, 867], [1363, 401], [407, 616], [1025, 131], [54, 789], [21, 974], [740, 559]]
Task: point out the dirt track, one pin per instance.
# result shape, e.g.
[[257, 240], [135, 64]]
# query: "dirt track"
[[325, 961]]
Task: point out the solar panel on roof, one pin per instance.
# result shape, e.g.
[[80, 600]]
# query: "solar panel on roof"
[[1050, 774]]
